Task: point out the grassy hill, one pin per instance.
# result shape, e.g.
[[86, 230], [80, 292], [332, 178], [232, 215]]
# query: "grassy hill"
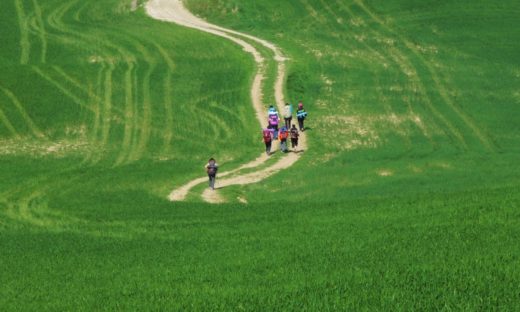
[[103, 88], [405, 96], [407, 198]]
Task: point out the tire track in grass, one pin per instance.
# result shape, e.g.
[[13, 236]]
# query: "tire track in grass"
[[378, 85], [102, 117], [77, 13], [128, 114], [485, 141], [94, 136], [398, 58], [136, 112], [87, 93], [105, 50], [54, 20], [135, 144], [135, 107], [174, 11], [144, 129], [167, 101], [7, 124], [146, 121], [92, 131], [80, 86], [25, 44], [41, 30], [138, 126], [164, 54], [419, 87], [63, 89], [382, 97], [106, 115], [128, 151], [91, 103], [373, 55], [28, 204], [211, 129], [168, 134], [21, 110]]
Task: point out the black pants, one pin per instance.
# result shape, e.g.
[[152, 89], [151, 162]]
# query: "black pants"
[[288, 122], [300, 123], [294, 142], [268, 147], [212, 178]]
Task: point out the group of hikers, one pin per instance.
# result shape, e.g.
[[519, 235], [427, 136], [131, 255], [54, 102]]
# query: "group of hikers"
[[272, 133]]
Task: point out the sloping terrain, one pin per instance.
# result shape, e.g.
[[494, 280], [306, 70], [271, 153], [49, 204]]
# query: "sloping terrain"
[[406, 198], [174, 11], [403, 96]]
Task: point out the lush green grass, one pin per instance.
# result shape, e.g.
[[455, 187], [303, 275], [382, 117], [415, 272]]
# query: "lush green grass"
[[117, 90], [411, 96], [407, 198], [448, 251]]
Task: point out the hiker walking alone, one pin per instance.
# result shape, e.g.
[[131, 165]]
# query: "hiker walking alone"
[[287, 115], [294, 137], [211, 169], [267, 134], [301, 114], [284, 134]]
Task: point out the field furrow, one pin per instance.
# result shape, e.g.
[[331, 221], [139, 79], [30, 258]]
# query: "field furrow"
[[402, 194], [7, 124], [58, 85], [21, 110], [432, 74], [25, 44], [129, 122], [41, 30]]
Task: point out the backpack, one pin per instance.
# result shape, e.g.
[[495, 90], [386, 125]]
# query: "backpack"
[[267, 135], [294, 133], [273, 120], [283, 134], [212, 169], [287, 112]]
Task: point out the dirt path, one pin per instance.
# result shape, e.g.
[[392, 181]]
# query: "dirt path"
[[174, 11]]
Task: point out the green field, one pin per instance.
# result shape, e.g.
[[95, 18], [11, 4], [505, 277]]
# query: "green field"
[[408, 197]]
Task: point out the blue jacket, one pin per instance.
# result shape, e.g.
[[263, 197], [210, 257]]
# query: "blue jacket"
[[301, 113]]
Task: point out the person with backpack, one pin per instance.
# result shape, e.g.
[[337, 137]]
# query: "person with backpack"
[[267, 134], [301, 114], [272, 111], [211, 169], [287, 115], [284, 134], [294, 137], [273, 124]]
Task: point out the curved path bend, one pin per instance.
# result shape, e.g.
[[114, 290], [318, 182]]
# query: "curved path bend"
[[174, 11]]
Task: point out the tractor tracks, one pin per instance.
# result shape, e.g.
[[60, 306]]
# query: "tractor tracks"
[[175, 12]]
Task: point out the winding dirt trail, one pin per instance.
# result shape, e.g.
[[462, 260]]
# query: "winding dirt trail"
[[174, 11]]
